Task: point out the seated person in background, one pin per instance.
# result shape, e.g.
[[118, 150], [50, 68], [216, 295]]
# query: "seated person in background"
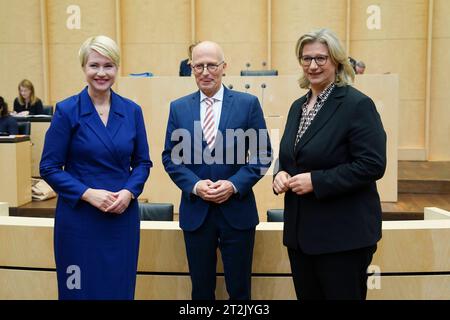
[[352, 63], [185, 65], [360, 66], [27, 103], [7, 124]]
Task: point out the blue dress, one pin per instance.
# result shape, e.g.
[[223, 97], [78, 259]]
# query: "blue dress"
[[96, 253]]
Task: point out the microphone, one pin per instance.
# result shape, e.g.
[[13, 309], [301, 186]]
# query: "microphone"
[[230, 86], [263, 86], [248, 65], [264, 64], [247, 86]]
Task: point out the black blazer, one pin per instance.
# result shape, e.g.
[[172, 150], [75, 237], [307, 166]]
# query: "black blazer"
[[345, 150], [36, 108]]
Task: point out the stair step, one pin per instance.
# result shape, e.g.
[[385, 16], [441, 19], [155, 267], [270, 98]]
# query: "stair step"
[[424, 186]]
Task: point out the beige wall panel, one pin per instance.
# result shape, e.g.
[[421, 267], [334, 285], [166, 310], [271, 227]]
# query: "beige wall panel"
[[240, 29], [411, 125], [20, 21], [161, 59], [37, 136], [400, 19], [20, 61], [441, 22], [237, 55], [66, 74], [28, 285], [15, 173], [20, 47], [440, 88], [97, 17], [400, 46], [155, 35], [292, 18], [155, 21], [398, 57], [431, 287], [404, 57]]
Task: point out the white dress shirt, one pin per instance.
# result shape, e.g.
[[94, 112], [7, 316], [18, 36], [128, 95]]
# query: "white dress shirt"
[[217, 109]]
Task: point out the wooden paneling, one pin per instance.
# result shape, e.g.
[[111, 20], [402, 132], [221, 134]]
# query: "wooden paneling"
[[399, 46], [440, 88], [155, 35], [97, 18], [292, 18], [162, 250], [240, 29], [15, 173], [20, 47]]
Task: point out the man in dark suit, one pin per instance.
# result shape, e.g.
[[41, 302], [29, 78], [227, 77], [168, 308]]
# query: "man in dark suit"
[[185, 65], [216, 174], [332, 152]]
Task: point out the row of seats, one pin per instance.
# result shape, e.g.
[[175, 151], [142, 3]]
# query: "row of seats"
[[24, 127], [164, 212]]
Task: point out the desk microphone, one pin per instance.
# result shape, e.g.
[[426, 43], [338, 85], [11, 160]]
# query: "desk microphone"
[[264, 64], [247, 86], [263, 86], [230, 86], [248, 65]]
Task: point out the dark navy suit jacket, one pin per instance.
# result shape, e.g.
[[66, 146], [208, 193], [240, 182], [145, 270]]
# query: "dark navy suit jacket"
[[239, 111]]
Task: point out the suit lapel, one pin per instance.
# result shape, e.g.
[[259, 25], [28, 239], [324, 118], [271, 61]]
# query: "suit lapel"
[[94, 122], [292, 126], [328, 109], [227, 104], [195, 117]]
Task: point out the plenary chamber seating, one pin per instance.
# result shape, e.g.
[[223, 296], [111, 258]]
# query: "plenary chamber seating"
[[156, 211], [275, 215], [24, 127]]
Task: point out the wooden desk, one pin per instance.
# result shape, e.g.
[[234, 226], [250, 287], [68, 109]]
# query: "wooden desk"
[[412, 261], [15, 170]]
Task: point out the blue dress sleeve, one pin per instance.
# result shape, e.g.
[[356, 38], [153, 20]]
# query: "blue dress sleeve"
[[54, 158]]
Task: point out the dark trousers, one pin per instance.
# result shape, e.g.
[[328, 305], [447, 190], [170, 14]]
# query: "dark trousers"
[[331, 276], [236, 247]]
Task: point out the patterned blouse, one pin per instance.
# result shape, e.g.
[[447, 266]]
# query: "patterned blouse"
[[306, 117]]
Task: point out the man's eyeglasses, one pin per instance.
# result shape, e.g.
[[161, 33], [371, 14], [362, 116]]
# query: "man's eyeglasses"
[[212, 67], [320, 60]]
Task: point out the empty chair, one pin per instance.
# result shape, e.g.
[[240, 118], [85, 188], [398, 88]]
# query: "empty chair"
[[275, 215], [24, 127], [48, 110], [156, 211]]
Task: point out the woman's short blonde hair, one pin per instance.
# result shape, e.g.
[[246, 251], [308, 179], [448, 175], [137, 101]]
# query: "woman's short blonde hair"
[[29, 85], [102, 44], [344, 71]]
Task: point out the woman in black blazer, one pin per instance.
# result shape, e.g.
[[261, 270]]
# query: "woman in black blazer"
[[27, 103], [332, 152]]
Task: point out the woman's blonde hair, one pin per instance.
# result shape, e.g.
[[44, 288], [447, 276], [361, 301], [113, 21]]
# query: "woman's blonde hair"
[[27, 84], [102, 44], [344, 71]]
